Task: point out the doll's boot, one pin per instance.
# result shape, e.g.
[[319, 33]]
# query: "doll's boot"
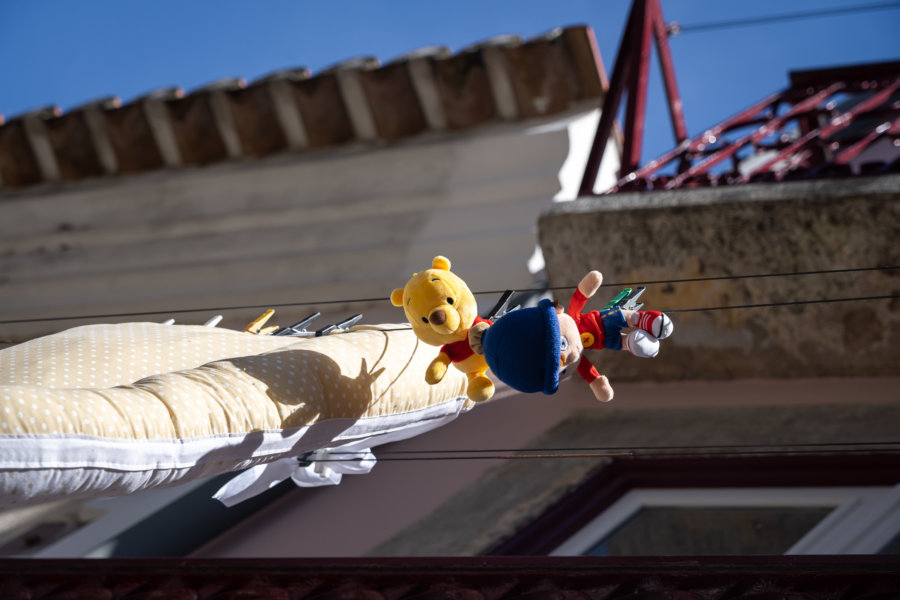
[[641, 344], [657, 324]]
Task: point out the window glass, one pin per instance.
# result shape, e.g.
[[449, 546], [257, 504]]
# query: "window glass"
[[665, 530], [892, 547]]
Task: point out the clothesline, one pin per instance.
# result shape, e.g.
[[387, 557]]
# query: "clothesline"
[[483, 292], [618, 452]]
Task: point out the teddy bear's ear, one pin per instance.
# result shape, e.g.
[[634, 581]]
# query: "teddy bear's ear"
[[397, 297], [441, 263]]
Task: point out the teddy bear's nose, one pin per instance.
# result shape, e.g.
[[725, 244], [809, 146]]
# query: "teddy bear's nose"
[[438, 317]]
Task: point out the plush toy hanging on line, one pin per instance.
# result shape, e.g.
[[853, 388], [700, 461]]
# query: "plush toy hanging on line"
[[441, 309], [527, 348]]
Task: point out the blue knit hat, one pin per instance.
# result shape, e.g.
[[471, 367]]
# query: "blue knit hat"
[[522, 348]]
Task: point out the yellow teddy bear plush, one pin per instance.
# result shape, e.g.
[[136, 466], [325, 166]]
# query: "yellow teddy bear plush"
[[441, 309]]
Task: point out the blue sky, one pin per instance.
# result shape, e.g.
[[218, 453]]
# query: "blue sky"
[[65, 53]]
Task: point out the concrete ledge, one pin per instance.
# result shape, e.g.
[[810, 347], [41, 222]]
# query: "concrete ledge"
[[751, 229]]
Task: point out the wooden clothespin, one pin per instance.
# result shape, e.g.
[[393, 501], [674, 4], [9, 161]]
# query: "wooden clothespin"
[[255, 325]]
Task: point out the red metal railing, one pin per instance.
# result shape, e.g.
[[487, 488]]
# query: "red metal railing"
[[630, 74], [827, 122]]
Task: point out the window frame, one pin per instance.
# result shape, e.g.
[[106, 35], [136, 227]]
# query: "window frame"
[[608, 484], [633, 501]]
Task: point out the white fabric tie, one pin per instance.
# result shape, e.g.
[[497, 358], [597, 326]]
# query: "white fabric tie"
[[326, 466], [322, 467]]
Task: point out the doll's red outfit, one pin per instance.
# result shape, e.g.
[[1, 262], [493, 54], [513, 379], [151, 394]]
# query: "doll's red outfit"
[[597, 329]]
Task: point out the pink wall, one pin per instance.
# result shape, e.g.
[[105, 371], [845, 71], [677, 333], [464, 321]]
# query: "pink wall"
[[364, 511]]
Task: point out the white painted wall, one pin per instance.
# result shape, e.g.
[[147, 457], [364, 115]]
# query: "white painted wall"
[[337, 225], [342, 224]]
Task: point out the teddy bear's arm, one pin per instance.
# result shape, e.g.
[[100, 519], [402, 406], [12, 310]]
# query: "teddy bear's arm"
[[437, 369]]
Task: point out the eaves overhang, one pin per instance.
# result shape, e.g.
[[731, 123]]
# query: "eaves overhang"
[[360, 101]]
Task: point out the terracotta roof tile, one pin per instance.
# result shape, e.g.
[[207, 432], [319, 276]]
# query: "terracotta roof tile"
[[545, 79], [18, 164], [255, 120], [203, 125], [391, 96], [131, 136], [77, 155], [502, 79], [162, 129], [322, 111]]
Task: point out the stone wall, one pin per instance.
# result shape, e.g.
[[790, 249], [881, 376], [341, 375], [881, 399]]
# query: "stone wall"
[[749, 229]]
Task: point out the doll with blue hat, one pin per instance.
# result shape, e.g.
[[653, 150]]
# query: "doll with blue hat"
[[527, 348]]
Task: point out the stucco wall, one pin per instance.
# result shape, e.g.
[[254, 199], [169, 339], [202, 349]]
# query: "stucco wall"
[[509, 496], [343, 224], [750, 229], [462, 507]]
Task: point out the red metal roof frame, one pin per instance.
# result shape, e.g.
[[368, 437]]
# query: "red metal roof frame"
[[821, 124], [631, 73]]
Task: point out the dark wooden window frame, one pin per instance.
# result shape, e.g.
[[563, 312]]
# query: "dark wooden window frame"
[[603, 489]]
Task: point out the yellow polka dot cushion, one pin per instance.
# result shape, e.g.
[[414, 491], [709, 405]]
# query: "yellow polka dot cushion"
[[106, 410]]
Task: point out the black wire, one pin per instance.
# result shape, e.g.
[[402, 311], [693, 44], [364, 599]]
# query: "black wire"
[[672, 311], [615, 452], [191, 310], [528, 290], [716, 278], [783, 17], [693, 447], [605, 455], [759, 305], [786, 303]]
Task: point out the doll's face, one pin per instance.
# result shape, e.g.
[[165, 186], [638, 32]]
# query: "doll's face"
[[570, 347]]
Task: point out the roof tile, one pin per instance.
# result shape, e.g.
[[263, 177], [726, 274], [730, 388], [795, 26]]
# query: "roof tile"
[[196, 129], [256, 120], [18, 164], [465, 91], [132, 140], [396, 107], [322, 111], [73, 145]]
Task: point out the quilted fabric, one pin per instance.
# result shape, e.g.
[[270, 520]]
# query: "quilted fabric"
[[111, 409]]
